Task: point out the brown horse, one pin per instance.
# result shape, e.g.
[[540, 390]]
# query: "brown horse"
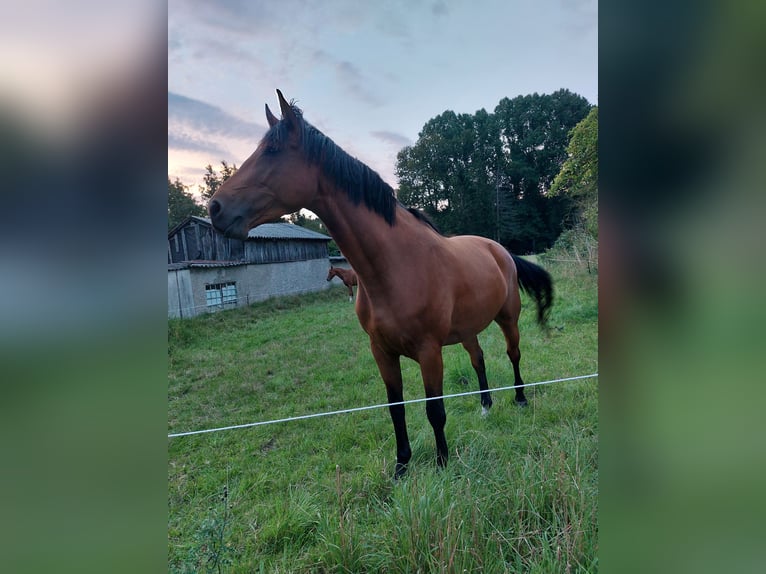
[[418, 290], [348, 276]]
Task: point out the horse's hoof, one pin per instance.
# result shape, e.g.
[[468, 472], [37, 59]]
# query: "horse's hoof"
[[400, 471], [523, 403], [484, 411]]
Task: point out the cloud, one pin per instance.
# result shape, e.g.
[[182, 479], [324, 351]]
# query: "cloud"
[[581, 16], [242, 21], [393, 23], [351, 79], [200, 117], [392, 138], [192, 143], [200, 133], [354, 81], [439, 8], [231, 16]]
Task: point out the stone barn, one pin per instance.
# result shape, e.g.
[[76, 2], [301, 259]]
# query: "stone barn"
[[208, 272]]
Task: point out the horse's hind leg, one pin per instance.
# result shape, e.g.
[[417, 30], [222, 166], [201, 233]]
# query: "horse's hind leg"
[[477, 362], [509, 325]]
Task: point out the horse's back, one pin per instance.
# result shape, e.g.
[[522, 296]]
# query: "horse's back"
[[483, 258]]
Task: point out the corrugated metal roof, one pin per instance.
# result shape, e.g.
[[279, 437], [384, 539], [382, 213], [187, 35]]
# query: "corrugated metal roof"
[[203, 263], [285, 231], [276, 231]]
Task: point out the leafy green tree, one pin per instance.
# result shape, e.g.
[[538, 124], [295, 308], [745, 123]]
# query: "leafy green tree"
[[449, 172], [534, 133], [429, 171], [181, 204], [213, 179], [490, 174], [578, 178]]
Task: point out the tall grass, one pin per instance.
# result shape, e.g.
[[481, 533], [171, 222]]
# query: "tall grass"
[[518, 494]]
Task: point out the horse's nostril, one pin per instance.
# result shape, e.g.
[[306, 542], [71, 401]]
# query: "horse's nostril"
[[214, 207]]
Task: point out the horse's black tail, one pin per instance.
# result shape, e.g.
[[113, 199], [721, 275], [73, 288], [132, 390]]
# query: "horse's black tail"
[[537, 283]]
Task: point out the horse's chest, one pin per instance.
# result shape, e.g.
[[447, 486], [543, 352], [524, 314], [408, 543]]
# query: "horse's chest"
[[396, 329]]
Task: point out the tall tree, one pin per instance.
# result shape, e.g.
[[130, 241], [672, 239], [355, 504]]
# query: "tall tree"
[[213, 179], [490, 174], [578, 178], [448, 173], [534, 133], [181, 204], [486, 172]]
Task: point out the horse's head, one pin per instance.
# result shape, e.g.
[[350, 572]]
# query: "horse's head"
[[274, 181], [331, 273]]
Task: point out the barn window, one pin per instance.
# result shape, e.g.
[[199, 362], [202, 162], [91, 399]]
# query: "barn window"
[[221, 294]]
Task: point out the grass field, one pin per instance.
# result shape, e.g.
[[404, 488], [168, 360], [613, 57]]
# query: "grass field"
[[519, 493]]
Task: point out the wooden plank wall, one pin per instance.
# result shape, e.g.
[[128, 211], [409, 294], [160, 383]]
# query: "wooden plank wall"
[[200, 242]]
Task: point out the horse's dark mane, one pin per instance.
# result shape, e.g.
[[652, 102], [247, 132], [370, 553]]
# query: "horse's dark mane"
[[362, 184], [419, 215]]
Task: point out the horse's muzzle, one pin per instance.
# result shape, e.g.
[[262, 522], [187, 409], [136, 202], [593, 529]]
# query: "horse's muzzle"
[[224, 223]]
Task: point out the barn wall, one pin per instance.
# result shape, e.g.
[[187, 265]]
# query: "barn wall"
[[277, 279], [180, 296], [175, 249], [254, 283], [200, 242], [273, 250]]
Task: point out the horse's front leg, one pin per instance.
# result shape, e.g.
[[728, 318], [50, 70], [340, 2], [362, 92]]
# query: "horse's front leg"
[[390, 370], [432, 370]]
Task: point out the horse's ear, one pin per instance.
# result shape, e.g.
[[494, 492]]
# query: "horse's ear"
[[270, 117], [291, 118]]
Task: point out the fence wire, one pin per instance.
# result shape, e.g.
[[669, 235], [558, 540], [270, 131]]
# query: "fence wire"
[[378, 406]]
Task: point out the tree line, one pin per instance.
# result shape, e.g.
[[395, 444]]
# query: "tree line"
[[519, 175], [491, 174]]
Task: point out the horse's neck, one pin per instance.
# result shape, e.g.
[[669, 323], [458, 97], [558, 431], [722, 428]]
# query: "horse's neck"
[[369, 243]]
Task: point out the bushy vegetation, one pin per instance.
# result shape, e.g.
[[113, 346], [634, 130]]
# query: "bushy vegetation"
[[575, 250]]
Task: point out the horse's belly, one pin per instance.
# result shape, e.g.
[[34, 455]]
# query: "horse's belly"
[[464, 332], [473, 313], [449, 317]]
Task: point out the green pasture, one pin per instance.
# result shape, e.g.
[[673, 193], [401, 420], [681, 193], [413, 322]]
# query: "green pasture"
[[519, 493]]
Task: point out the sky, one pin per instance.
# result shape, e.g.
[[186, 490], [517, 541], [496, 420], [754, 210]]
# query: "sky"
[[367, 74]]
